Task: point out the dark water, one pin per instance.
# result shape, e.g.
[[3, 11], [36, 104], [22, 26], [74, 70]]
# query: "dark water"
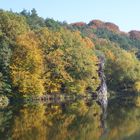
[[78, 120]]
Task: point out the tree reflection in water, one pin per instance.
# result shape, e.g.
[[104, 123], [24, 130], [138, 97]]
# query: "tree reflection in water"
[[78, 120]]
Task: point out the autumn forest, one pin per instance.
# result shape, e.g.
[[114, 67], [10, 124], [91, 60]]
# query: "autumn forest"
[[43, 56], [67, 81]]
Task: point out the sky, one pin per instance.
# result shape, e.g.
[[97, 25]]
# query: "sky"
[[124, 13]]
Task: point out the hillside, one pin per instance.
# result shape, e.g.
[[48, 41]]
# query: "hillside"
[[109, 31], [120, 48], [42, 56]]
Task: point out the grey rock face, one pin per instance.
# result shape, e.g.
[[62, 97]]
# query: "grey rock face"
[[102, 90]]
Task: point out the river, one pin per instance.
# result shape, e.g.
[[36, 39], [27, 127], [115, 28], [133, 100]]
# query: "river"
[[78, 120]]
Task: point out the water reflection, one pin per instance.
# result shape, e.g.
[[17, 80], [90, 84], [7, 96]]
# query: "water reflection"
[[79, 120], [123, 120]]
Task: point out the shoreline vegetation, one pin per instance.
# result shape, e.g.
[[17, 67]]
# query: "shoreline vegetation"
[[43, 56]]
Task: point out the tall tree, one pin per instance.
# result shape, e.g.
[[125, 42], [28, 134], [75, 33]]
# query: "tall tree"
[[27, 65]]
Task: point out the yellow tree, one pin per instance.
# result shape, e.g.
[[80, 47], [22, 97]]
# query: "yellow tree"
[[55, 74], [27, 65]]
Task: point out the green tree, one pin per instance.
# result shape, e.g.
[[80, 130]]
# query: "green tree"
[[33, 20], [12, 24]]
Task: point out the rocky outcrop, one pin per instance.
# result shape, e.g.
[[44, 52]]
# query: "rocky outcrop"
[[102, 89], [102, 94]]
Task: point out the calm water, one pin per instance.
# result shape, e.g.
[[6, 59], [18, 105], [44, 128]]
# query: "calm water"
[[70, 121]]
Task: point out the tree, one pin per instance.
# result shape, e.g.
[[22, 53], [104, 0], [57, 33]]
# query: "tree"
[[12, 25], [5, 56], [54, 74], [122, 67], [81, 62], [33, 20], [54, 25], [27, 65]]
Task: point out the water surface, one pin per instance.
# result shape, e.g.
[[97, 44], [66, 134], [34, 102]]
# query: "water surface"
[[78, 120]]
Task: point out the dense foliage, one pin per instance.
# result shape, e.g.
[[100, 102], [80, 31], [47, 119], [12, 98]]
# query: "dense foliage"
[[42, 56], [36, 60], [121, 51]]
